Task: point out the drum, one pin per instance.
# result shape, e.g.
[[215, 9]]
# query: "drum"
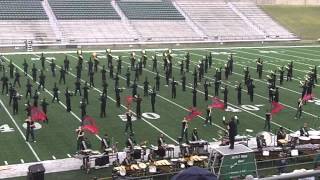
[[86, 151], [122, 172], [190, 163], [161, 151], [134, 167], [267, 137], [152, 169], [142, 165], [95, 152], [108, 150], [283, 141], [304, 140], [137, 153], [315, 139], [314, 133]]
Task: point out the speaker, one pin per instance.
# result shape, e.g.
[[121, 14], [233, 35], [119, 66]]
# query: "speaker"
[[36, 172]]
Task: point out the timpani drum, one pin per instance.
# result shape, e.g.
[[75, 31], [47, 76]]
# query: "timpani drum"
[[314, 133], [304, 140], [315, 139], [152, 169]]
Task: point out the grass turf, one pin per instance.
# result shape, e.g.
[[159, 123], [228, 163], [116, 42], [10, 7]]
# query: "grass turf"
[[58, 137], [305, 24]]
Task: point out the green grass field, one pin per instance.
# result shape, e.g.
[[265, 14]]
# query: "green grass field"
[[58, 138], [304, 24]]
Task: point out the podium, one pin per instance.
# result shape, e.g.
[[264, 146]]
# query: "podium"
[[233, 163]]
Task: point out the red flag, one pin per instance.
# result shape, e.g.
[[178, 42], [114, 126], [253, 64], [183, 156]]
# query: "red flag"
[[308, 97], [276, 107], [129, 100], [89, 125], [193, 112], [37, 114], [217, 103]]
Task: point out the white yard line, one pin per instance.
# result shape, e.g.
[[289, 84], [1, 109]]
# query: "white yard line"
[[152, 125], [20, 131]]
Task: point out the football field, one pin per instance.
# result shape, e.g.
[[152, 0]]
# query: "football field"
[[57, 139]]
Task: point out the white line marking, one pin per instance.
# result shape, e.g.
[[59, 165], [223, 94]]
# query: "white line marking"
[[24, 138]]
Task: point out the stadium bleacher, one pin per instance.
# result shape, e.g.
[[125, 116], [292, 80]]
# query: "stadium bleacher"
[[82, 9], [144, 10], [21, 10]]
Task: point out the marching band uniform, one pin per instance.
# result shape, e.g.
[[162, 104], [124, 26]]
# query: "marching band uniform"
[[183, 81], [53, 68], [30, 129], [42, 79], [232, 129], [25, 67], [103, 100], [268, 119], [304, 130], [129, 122], [184, 130], [194, 97], [281, 134], [44, 106], [153, 95], [194, 135], [55, 93], [208, 116], [173, 88], [299, 109], [62, 75]]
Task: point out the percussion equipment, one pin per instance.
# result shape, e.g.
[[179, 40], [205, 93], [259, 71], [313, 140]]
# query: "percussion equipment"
[[314, 133], [122, 172], [86, 151], [95, 152], [142, 165], [137, 153], [190, 163], [108, 150], [304, 140], [134, 167], [161, 151], [315, 139], [152, 169], [283, 141], [182, 166]]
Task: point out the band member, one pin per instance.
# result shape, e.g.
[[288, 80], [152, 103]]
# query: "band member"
[[232, 129], [184, 130], [208, 116], [62, 75], [30, 129], [4, 80], [239, 93], [251, 87], [103, 73], [267, 122], [96, 63], [181, 64], [80, 138], [153, 95], [103, 105], [129, 122], [281, 71], [119, 65], [161, 141], [29, 88], [66, 63], [259, 67], [42, 80], [126, 161], [183, 81], [246, 74], [216, 87], [83, 107], [130, 143], [138, 100], [15, 99], [194, 97], [194, 135], [68, 99], [195, 78], [16, 78], [86, 93], [151, 156], [42, 59], [145, 87], [128, 78], [225, 96], [134, 87], [44, 106], [206, 90], [304, 131], [117, 92], [91, 79], [35, 98], [281, 134], [11, 69], [157, 78], [25, 67], [276, 95], [53, 68], [187, 59], [55, 93], [77, 87], [299, 108], [155, 63], [34, 71], [28, 108], [289, 68], [12, 92], [105, 142], [226, 71]]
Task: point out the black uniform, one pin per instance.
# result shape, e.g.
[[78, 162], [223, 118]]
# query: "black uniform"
[[66, 63], [129, 122], [184, 131], [12, 92], [11, 69], [111, 71], [96, 64], [16, 78], [30, 131], [53, 68], [216, 87], [225, 97], [117, 92], [44, 106], [68, 100], [91, 82], [209, 116], [183, 81], [25, 67], [83, 107], [145, 87], [206, 90], [157, 78], [77, 87], [35, 98], [194, 97], [103, 105], [173, 88], [134, 87], [42, 81], [42, 59], [34, 71], [251, 91], [232, 132], [86, 93], [155, 63], [15, 104], [4, 81], [55, 93], [128, 78], [267, 124], [29, 89], [299, 109], [62, 75], [153, 95], [138, 99], [281, 71], [103, 73], [187, 57]]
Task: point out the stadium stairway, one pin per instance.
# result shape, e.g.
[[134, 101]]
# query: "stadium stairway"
[[190, 22], [53, 20]]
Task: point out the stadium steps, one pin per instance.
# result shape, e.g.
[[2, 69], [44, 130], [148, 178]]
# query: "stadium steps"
[[125, 20], [190, 22], [53, 21]]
